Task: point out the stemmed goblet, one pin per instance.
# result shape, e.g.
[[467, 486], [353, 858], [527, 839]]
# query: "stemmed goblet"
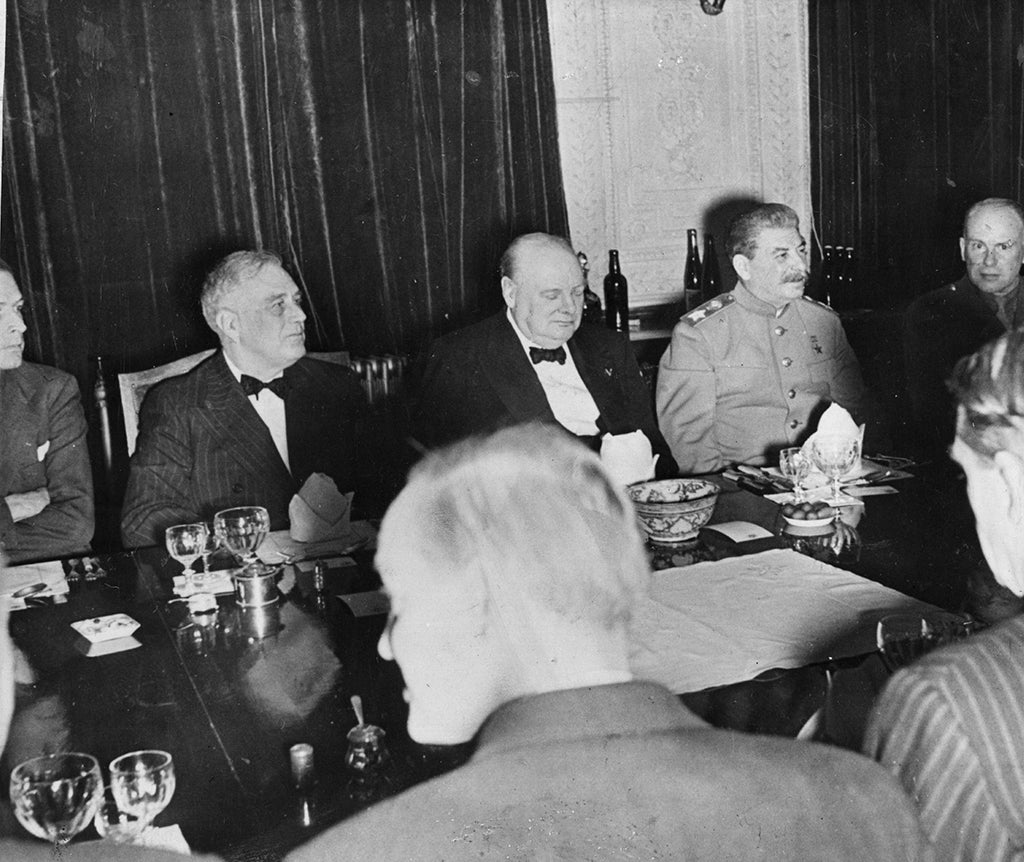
[[57, 795], [142, 783], [795, 466], [187, 543], [242, 530], [835, 457]]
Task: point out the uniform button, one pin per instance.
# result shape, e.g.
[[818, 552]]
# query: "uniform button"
[[780, 330], [237, 489], [786, 361], [795, 423], [791, 393]]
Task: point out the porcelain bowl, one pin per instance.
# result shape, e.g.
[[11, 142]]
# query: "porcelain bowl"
[[673, 510]]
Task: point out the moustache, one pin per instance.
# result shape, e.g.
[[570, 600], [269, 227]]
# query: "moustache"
[[795, 277]]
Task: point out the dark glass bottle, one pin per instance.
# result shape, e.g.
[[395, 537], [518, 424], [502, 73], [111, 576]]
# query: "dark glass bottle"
[[850, 271], [838, 299], [592, 312], [711, 279], [828, 274], [616, 295], [692, 273]]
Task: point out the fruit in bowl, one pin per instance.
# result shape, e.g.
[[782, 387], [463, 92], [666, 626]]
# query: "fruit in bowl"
[[673, 510], [818, 512]]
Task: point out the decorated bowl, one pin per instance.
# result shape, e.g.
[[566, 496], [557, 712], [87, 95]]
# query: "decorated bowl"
[[673, 510]]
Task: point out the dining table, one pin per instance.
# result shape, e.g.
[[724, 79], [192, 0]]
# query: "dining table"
[[229, 693]]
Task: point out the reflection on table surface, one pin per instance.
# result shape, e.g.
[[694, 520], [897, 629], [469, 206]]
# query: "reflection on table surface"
[[228, 694]]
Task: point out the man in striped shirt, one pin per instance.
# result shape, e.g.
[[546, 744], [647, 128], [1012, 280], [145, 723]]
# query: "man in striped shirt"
[[951, 726]]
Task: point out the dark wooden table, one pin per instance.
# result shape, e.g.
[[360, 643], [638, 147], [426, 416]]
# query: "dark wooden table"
[[229, 698]]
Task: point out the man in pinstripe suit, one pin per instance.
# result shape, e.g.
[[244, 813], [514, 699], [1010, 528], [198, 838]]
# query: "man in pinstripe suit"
[[951, 726], [250, 424]]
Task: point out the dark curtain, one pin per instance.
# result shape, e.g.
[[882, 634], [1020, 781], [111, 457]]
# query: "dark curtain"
[[916, 112], [389, 149]]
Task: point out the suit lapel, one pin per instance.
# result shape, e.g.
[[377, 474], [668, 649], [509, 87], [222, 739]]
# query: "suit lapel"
[[13, 417], [229, 417], [597, 368], [509, 373], [311, 420]]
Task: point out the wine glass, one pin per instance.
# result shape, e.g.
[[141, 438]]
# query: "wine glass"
[[242, 530], [795, 466], [56, 795], [835, 457], [142, 783], [904, 638], [187, 543]]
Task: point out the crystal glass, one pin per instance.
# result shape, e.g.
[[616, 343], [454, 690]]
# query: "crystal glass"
[[242, 530], [795, 466], [835, 457], [142, 783], [187, 543], [113, 824], [904, 638], [55, 796]]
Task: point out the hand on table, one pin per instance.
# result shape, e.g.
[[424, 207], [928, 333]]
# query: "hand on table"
[[27, 504]]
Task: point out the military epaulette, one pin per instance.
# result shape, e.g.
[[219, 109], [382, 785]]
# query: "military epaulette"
[[820, 304], [709, 308]]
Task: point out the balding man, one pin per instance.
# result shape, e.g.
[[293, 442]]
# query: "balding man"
[[536, 360], [513, 565], [954, 321], [250, 424]]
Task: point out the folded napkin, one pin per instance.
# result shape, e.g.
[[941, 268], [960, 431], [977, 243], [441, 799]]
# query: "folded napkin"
[[836, 421], [628, 457], [319, 511]]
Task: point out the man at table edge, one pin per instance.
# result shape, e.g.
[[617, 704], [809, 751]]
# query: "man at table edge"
[[749, 372], [513, 564], [949, 725], [46, 503]]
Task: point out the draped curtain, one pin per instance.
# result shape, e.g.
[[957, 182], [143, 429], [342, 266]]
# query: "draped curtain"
[[917, 111], [388, 149]]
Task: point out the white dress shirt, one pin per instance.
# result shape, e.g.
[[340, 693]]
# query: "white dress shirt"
[[570, 400], [270, 407]]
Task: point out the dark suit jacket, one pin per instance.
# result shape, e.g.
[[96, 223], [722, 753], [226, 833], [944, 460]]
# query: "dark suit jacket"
[[479, 379], [625, 772], [202, 447], [40, 409], [940, 327]]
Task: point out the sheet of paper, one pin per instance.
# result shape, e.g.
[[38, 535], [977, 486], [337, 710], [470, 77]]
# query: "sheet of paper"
[[740, 531], [15, 578], [367, 604], [717, 623], [280, 547]]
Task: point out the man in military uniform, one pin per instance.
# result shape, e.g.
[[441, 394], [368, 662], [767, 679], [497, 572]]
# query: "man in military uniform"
[[943, 325], [750, 371]]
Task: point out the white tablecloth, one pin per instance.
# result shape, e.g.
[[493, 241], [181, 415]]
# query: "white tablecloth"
[[717, 623]]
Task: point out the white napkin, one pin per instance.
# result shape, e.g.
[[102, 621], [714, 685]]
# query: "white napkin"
[[319, 511], [628, 457], [836, 421]]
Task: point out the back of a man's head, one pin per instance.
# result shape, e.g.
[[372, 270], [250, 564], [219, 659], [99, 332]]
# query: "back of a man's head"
[[529, 559]]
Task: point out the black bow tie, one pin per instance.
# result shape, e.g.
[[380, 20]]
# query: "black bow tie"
[[252, 386], [541, 354]]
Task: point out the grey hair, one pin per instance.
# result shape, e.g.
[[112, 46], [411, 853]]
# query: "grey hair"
[[228, 275], [994, 203], [745, 229], [989, 386], [511, 259], [527, 515]]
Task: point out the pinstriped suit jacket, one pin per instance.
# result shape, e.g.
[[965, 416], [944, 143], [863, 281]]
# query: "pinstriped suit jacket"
[[202, 447]]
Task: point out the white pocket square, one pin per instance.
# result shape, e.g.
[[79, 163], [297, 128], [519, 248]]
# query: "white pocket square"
[[42, 450]]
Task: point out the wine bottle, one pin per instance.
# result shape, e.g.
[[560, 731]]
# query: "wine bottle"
[[692, 273], [828, 274], [711, 280], [839, 279], [850, 270], [616, 295], [592, 312]]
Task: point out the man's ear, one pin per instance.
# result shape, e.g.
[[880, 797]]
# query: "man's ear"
[[1011, 472], [963, 248], [741, 263], [508, 291], [227, 325]]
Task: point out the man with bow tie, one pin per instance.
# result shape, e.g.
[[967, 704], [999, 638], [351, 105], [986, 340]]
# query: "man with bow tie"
[[250, 424], [536, 361], [46, 506]]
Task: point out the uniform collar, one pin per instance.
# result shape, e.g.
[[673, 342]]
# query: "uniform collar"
[[750, 302]]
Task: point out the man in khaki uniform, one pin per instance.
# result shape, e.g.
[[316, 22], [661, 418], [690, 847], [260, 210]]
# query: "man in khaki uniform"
[[750, 371]]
